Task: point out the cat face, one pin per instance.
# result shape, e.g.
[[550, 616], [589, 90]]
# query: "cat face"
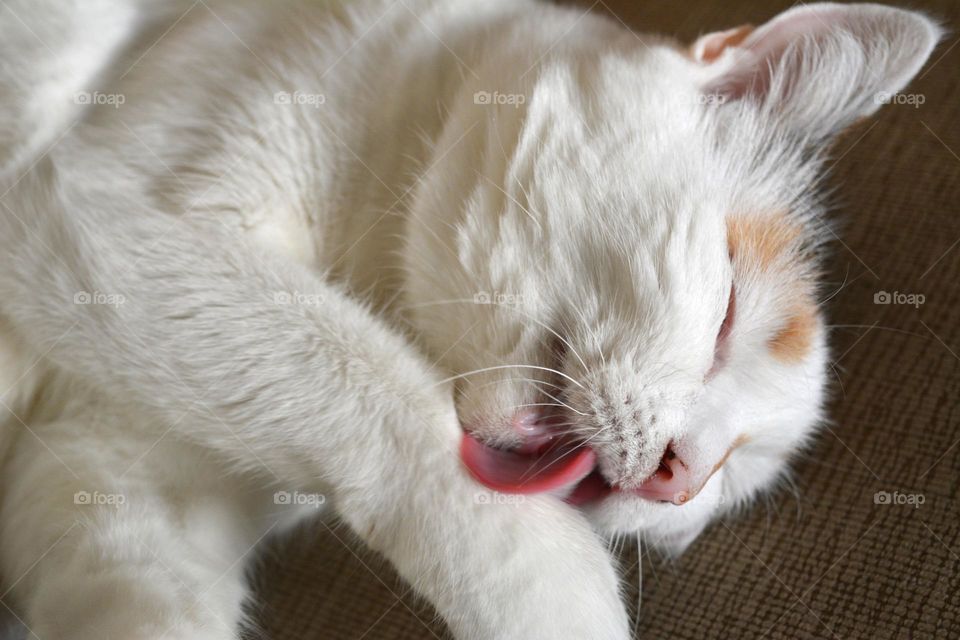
[[621, 272]]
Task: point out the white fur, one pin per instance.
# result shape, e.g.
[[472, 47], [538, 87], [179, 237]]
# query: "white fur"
[[600, 202]]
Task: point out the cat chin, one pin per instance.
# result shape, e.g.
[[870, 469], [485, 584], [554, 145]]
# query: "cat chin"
[[667, 527]]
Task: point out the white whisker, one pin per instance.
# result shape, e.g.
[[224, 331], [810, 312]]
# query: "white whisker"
[[636, 620], [516, 309], [509, 366]]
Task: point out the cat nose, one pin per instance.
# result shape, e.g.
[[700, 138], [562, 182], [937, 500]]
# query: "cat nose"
[[672, 481], [534, 430]]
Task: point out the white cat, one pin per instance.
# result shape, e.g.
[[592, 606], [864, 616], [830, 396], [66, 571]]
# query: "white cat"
[[368, 254]]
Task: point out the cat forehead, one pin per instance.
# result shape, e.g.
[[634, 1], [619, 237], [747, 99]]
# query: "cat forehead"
[[674, 158], [640, 171], [645, 122]]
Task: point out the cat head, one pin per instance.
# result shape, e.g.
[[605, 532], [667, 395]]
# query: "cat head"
[[617, 256]]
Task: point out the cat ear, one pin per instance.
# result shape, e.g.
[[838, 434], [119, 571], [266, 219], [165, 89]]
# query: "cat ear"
[[819, 67]]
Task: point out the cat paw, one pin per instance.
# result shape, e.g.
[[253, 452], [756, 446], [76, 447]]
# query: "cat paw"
[[541, 573]]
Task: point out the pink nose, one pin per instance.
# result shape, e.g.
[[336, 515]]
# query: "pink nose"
[[535, 431], [670, 483]]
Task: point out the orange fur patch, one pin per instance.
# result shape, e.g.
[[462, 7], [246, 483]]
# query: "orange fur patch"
[[794, 340], [771, 243], [762, 239]]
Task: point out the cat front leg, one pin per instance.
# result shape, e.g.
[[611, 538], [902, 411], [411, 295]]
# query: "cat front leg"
[[524, 567], [282, 374]]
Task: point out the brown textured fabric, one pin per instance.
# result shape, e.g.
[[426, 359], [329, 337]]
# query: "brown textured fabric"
[[826, 562]]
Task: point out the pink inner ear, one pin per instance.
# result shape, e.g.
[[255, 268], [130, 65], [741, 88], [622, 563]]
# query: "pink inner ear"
[[709, 47]]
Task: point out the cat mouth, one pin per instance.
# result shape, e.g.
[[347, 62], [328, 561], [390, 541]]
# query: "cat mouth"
[[565, 466], [562, 465]]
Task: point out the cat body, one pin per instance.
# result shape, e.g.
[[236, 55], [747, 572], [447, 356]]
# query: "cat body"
[[264, 261]]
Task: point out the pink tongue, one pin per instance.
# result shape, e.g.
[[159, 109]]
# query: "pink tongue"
[[511, 472]]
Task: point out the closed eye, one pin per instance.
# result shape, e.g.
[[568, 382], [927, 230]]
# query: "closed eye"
[[721, 348]]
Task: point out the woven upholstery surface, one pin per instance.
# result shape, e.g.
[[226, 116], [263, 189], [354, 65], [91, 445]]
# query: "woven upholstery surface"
[[826, 561]]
